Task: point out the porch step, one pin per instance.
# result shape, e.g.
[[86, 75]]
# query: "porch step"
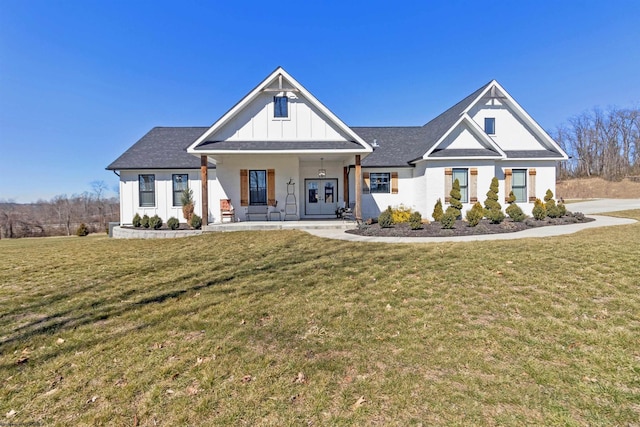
[[280, 225]]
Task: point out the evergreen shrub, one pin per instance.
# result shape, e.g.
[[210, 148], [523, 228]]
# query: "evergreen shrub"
[[515, 212], [437, 211], [145, 221], [475, 214], [195, 221], [173, 223], [155, 222], [400, 214], [137, 221], [415, 220], [385, 219], [449, 217], [455, 196], [82, 230], [539, 211]]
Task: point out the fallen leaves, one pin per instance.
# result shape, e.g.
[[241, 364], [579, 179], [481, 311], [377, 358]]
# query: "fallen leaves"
[[361, 401], [300, 379]]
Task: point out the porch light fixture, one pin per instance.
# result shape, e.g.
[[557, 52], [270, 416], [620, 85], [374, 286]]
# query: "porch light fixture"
[[322, 172]]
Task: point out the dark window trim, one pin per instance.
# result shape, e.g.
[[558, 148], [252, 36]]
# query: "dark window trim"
[[258, 189], [177, 202], [280, 107], [491, 120], [373, 186], [141, 191]]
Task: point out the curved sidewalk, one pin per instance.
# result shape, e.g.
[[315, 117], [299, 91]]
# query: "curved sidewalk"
[[552, 230]]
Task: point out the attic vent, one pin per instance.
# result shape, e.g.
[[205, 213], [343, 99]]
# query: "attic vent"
[[375, 144]]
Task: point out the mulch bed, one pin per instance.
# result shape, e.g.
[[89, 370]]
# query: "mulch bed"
[[434, 229]]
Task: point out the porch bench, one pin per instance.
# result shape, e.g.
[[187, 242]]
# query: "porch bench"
[[258, 212]]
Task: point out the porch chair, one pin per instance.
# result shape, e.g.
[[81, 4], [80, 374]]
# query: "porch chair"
[[348, 213], [226, 211]]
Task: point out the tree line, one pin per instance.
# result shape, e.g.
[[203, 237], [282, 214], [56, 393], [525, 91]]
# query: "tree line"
[[59, 216], [602, 143]]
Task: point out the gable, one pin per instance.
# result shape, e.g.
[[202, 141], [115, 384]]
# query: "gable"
[[257, 119]]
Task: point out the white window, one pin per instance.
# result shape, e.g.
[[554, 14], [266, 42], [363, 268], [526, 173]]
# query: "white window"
[[462, 176], [519, 185]]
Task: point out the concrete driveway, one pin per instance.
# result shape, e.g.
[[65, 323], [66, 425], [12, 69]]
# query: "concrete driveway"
[[588, 207], [604, 205]]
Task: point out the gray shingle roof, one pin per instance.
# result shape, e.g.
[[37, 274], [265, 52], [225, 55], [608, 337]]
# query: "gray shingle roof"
[[279, 145], [532, 154], [464, 152], [162, 148], [398, 146]]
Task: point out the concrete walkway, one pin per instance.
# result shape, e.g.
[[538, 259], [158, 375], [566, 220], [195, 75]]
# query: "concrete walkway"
[[600, 205]]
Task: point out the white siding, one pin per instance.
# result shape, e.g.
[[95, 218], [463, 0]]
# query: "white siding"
[[129, 194], [256, 123], [511, 132], [461, 137]]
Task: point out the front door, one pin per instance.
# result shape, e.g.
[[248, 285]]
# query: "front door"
[[320, 196]]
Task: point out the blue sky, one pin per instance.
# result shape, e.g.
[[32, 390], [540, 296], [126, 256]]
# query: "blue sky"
[[81, 81]]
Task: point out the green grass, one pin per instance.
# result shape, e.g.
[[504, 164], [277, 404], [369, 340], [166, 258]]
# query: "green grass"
[[213, 330]]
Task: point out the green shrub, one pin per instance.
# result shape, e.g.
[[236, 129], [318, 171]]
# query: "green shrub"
[[173, 223], [496, 216], [511, 198], [145, 221], [415, 220], [539, 211], [82, 230], [553, 211], [562, 208], [437, 211], [195, 221], [137, 221], [186, 199], [155, 222], [400, 214], [492, 196], [385, 219], [515, 212], [455, 196], [548, 196], [475, 214], [448, 219]]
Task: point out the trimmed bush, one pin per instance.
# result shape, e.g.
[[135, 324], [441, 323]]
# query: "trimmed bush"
[[553, 211], [496, 216], [385, 219], [455, 196], [511, 198], [82, 230], [186, 199], [173, 223], [400, 214], [515, 212], [448, 219], [195, 221], [475, 214], [437, 211], [137, 221], [145, 221], [415, 220], [539, 211], [562, 208], [155, 222], [493, 209]]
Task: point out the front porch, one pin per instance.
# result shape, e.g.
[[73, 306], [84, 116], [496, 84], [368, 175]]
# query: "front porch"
[[320, 224]]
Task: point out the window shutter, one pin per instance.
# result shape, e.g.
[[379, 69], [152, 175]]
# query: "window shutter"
[[473, 185], [394, 182], [448, 184], [365, 187], [507, 183], [271, 187], [244, 187], [532, 185]]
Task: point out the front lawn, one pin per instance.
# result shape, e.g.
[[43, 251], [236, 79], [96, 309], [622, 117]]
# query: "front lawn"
[[283, 328]]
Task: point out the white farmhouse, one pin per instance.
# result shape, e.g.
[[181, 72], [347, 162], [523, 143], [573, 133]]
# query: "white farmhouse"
[[280, 154]]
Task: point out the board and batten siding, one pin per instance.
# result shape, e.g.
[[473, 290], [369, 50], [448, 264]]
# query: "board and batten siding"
[[129, 194], [257, 123]]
